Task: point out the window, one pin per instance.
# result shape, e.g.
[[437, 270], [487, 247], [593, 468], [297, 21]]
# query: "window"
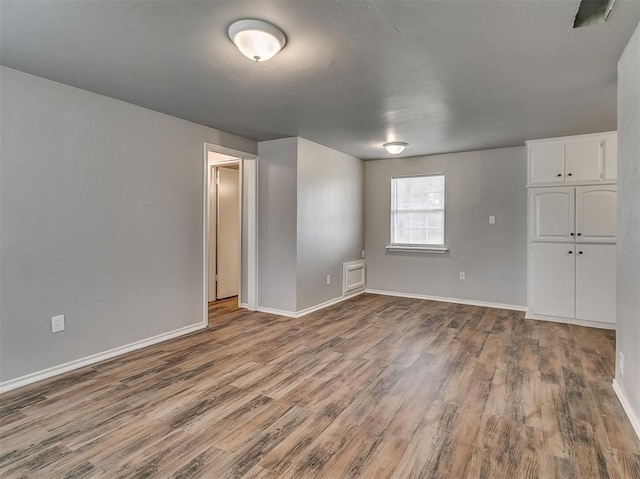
[[417, 211]]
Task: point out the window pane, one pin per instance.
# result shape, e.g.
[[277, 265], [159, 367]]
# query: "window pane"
[[417, 215], [418, 235]]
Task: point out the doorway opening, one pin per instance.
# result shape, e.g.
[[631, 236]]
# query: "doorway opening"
[[224, 230], [229, 230]]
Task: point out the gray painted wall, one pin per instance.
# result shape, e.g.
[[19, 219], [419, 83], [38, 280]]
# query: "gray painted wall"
[[478, 184], [310, 214], [330, 220], [277, 177], [628, 265], [101, 215]]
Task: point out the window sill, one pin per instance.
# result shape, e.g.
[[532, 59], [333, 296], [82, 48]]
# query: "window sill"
[[417, 249]]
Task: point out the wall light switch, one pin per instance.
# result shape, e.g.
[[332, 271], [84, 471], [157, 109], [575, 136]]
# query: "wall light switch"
[[462, 275], [492, 220], [57, 323], [328, 279], [363, 254]]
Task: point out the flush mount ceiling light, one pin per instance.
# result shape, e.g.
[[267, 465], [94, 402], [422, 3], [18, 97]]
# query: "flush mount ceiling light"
[[395, 147], [257, 39]]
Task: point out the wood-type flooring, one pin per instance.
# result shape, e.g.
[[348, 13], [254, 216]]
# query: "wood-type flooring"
[[374, 387]]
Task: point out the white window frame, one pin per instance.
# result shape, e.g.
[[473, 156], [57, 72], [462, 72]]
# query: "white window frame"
[[424, 247]]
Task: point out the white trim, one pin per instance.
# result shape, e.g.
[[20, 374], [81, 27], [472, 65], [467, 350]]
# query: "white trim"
[[96, 358], [312, 309], [223, 150], [442, 299], [250, 169], [244, 305], [353, 266], [277, 312], [326, 304], [633, 419], [417, 249], [574, 321], [572, 183]]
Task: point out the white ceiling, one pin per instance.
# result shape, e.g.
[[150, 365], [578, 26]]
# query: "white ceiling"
[[441, 75]]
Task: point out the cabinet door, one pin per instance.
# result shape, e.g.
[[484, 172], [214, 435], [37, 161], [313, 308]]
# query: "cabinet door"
[[552, 280], [552, 214], [596, 213], [596, 282], [583, 160], [610, 160], [546, 163]]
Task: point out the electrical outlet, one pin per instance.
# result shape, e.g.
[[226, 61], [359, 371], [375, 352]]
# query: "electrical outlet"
[[462, 275], [328, 279], [621, 364], [57, 323], [492, 220]]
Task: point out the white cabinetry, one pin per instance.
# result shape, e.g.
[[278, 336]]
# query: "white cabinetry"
[[596, 282], [546, 164], [576, 159], [596, 213], [552, 214], [552, 278], [572, 229], [573, 281], [567, 214]]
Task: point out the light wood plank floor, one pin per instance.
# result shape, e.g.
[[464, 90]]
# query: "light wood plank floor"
[[375, 387]]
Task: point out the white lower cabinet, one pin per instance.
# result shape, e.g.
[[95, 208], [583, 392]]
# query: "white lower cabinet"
[[552, 279], [573, 281], [596, 282]]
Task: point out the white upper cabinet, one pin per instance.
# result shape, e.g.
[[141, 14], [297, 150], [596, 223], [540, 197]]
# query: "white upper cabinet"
[[552, 214], [546, 164], [596, 213], [582, 160], [575, 159]]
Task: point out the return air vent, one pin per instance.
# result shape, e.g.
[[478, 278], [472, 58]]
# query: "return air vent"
[[591, 12]]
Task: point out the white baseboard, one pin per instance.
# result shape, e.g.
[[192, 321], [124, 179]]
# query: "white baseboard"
[[326, 304], [470, 302], [312, 309], [96, 358], [633, 419], [277, 312], [574, 321]]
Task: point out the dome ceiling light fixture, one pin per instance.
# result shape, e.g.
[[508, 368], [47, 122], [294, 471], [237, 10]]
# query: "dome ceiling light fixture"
[[256, 39], [395, 147]]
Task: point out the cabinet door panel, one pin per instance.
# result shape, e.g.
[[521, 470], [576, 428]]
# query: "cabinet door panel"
[[546, 164], [582, 161], [552, 279], [610, 160], [596, 213], [596, 282], [552, 214]]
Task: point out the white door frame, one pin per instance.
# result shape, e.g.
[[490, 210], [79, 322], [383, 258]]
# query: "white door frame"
[[248, 168]]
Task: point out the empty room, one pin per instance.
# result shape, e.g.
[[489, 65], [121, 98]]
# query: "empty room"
[[260, 239]]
